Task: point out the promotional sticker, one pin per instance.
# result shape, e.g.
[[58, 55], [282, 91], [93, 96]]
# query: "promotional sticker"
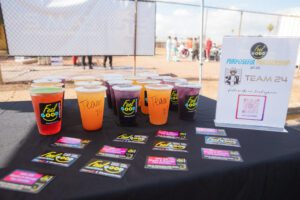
[[210, 131], [25, 181], [166, 163], [170, 146], [105, 168], [116, 152], [57, 158], [232, 142], [218, 154], [171, 134], [130, 138], [50, 113], [71, 142]]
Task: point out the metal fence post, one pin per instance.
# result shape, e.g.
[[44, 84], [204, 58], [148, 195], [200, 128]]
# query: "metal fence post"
[[241, 21]]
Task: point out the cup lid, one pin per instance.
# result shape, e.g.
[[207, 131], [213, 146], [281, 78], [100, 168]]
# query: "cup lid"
[[160, 77], [43, 80], [159, 87], [148, 81], [127, 87], [91, 89], [107, 77], [88, 83], [45, 90], [83, 78], [135, 78], [188, 85], [148, 74], [119, 82], [175, 80]]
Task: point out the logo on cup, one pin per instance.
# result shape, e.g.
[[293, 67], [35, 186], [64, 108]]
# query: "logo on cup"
[[128, 107], [50, 112], [174, 97], [259, 50], [191, 103]]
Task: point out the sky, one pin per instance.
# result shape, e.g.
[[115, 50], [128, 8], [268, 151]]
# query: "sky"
[[185, 21]]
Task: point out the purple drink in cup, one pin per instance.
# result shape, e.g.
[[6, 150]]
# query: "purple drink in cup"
[[174, 95], [127, 97], [188, 95]]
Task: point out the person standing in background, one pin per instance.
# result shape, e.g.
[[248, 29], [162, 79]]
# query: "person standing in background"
[[110, 61], [90, 60], [195, 49], [175, 46], [74, 60], [208, 48], [168, 48]]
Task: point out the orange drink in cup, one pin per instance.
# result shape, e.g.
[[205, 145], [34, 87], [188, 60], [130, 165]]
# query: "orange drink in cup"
[[91, 106], [158, 102]]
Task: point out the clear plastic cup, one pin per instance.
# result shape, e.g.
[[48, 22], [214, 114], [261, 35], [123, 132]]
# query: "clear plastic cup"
[[88, 83], [91, 106], [174, 96], [47, 105], [161, 78], [148, 74], [83, 78], [47, 83], [126, 97], [143, 102], [188, 95], [134, 79], [105, 83], [56, 77], [158, 103]]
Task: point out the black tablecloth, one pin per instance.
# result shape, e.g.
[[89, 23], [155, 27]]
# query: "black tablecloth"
[[271, 167]]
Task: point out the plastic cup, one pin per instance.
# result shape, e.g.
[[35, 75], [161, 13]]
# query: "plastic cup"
[[134, 79], [126, 97], [188, 94], [83, 78], [111, 83], [143, 102], [88, 83], [47, 105], [56, 77], [47, 83], [105, 80], [174, 96], [148, 74], [158, 102], [91, 106]]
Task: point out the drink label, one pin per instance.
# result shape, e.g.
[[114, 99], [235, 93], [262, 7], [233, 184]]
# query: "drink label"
[[232, 142], [130, 138], [25, 181], [146, 98], [115, 152], [128, 107], [71, 142], [191, 103], [210, 131], [166, 163], [57, 158], [218, 154], [174, 97], [105, 168], [170, 146], [171, 134], [50, 113]]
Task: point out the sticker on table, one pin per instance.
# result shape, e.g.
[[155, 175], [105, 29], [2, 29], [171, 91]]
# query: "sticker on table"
[[105, 168], [171, 134], [57, 158], [166, 163], [170, 146], [116, 152], [210, 131], [71, 142], [130, 138], [231, 142], [25, 181], [251, 107], [218, 154]]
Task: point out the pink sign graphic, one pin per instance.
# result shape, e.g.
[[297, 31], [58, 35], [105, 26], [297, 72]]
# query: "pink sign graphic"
[[113, 150], [23, 177], [152, 160]]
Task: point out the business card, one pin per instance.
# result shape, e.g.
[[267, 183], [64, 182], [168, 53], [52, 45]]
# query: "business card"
[[210, 131], [218, 154], [170, 146], [25, 181], [231, 142], [166, 163], [130, 138], [105, 168], [117, 152], [57, 158], [171, 134], [71, 142]]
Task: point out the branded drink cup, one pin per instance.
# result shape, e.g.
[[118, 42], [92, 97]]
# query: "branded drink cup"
[[126, 97], [188, 94], [174, 96], [56, 77], [134, 79], [91, 106], [111, 83], [47, 83], [88, 83], [47, 105], [143, 102], [158, 102]]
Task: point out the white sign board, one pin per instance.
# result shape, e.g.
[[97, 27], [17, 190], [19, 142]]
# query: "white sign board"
[[255, 82], [78, 27]]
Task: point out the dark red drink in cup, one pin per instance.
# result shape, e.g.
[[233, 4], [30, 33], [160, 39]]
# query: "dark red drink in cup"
[[174, 95]]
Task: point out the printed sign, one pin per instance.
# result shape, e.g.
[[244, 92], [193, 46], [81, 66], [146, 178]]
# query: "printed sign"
[[25, 181], [71, 142], [115, 152], [171, 134], [50, 112], [57, 158], [255, 82], [128, 108], [130, 138], [166, 163], [170, 146], [218, 154], [210, 131], [222, 141], [105, 168]]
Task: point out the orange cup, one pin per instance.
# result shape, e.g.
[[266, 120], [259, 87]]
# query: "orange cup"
[[91, 106], [158, 102]]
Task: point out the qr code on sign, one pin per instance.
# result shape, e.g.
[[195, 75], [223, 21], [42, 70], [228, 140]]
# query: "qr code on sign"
[[251, 106]]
